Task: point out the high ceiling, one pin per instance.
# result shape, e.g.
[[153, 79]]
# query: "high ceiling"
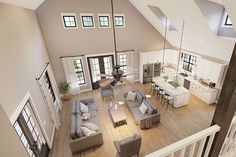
[[198, 36], [29, 4]]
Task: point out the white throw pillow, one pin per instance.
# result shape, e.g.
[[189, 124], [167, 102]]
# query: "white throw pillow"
[[87, 131], [83, 108], [91, 126], [143, 108], [131, 96]]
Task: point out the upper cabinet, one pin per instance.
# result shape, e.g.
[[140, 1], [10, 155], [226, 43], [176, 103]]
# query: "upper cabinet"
[[210, 70]]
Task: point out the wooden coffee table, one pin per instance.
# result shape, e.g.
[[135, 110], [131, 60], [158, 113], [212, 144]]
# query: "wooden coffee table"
[[118, 116]]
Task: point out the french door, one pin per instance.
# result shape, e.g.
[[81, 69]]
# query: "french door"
[[30, 134], [98, 65]]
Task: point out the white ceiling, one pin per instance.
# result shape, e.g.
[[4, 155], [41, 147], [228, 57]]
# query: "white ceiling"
[[198, 37], [29, 4]]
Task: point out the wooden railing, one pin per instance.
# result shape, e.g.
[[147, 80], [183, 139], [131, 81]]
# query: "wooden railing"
[[191, 146], [229, 147]]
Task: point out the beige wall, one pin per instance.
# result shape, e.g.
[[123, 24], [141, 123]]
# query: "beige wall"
[[23, 57], [138, 33], [10, 144]]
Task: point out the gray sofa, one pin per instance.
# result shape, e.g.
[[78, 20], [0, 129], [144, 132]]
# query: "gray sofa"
[[79, 142], [147, 120]]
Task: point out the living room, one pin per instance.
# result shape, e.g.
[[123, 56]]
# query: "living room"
[[77, 43]]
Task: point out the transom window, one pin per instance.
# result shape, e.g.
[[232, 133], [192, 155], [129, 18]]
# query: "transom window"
[[188, 61], [122, 61], [69, 21], [79, 71], [119, 20], [228, 21], [104, 21], [87, 21]]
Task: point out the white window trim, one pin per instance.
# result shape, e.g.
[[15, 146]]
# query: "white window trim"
[[69, 14], [123, 18], [104, 14], [83, 67], [87, 14]]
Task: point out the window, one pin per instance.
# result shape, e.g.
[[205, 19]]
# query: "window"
[[188, 61], [122, 61], [104, 20], [95, 69], [49, 86], [87, 20], [79, 71], [69, 21], [228, 21], [119, 20]]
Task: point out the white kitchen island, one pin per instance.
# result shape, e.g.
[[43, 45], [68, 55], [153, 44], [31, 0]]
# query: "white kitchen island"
[[179, 94]]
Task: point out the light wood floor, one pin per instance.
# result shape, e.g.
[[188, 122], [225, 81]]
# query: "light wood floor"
[[175, 124]]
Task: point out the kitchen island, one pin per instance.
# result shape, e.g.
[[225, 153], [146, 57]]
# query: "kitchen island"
[[179, 94]]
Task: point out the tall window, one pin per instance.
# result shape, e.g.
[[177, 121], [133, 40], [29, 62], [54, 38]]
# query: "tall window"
[[122, 61], [95, 69], [188, 61], [79, 71], [104, 20], [119, 20], [49, 86], [69, 20], [87, 20], [228, 21]]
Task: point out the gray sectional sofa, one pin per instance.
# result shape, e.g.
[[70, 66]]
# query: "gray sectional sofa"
[[147, 120], [79, 142]]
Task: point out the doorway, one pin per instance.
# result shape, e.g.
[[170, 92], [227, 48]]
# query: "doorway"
[[30, 133], [98, 65]]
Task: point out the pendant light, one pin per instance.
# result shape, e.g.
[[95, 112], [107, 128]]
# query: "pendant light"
[[164, 48], [180, 50]]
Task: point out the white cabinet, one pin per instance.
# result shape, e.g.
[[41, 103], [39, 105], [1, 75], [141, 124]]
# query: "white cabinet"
[[210, 70], [206, 94]]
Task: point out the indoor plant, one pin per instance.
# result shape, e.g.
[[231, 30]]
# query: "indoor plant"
[[64, 89]]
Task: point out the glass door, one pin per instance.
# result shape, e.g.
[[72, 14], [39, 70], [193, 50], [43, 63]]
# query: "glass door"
[[99, 65]]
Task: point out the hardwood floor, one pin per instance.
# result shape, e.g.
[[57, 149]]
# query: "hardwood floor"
[[175, 124]]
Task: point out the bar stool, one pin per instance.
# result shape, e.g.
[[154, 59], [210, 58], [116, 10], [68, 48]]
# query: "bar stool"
[[170, 102], [152, 89], [165, 97], [160, 94]]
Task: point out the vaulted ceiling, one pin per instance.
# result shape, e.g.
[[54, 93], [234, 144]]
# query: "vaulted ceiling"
[[29, 4], [198, 37]]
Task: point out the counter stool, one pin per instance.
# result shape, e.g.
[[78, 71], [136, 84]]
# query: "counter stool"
[[165, 98], [170, 102], [152, 89], [161, 94]]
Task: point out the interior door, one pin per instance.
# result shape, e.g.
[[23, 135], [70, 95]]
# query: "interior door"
[[98, 65], [30, 134]]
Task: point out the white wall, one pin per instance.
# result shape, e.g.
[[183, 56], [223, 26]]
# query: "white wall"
[[23, 58]]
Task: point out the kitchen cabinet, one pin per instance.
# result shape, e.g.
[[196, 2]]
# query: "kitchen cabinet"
[[210, 70]]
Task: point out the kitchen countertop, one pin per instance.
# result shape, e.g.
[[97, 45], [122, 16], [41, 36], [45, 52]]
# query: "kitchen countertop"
[[169, 88]]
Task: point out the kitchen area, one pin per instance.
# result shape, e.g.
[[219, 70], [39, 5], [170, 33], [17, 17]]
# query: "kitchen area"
[[199, 75]]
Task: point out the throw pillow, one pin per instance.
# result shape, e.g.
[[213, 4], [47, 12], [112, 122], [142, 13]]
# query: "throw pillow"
[[87, 131], [86, 116], [143, 108], [131, 96], [84, 108], [91, 126]]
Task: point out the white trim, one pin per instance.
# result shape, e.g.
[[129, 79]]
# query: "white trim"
[[20, 107], [109, 19], [69, 14], [87, 14], [123, 18]]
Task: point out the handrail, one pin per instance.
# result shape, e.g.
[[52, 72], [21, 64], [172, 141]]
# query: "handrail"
[[182, 144]]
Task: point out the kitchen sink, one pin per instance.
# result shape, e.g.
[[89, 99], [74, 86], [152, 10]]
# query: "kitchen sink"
[[183, 74]]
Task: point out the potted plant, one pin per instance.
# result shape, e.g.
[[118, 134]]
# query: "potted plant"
[[64, 89], [165, 78]]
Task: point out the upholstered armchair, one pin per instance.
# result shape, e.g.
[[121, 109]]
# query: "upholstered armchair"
[[107, 91], [129, 146]]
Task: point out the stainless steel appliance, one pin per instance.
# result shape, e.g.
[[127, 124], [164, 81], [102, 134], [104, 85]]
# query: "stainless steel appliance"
[[151, 70]]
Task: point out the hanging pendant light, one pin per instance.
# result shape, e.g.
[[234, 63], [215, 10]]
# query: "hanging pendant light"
[[180, 50], [164, 48]]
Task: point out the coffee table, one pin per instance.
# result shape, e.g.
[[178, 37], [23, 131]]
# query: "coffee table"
[[118, 116]]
